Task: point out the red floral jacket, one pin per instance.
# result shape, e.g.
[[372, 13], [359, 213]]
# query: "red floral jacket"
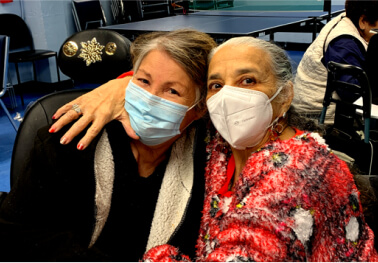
[[294, 201]]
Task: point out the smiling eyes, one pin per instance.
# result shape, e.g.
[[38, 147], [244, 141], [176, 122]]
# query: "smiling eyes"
[[173, 91], [244, 82], [144, 83]]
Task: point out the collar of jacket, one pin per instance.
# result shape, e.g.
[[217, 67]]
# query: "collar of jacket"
[[174, 195]]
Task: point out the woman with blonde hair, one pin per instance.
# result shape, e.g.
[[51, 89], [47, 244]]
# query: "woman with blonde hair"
[[121, 196]]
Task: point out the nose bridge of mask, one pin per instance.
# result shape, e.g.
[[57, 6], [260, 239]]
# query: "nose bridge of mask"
[[232, 108], [240, 110], [154, 119], [228, 101], [158, 104]]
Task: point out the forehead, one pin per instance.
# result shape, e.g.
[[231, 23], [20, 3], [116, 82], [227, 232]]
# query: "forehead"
[[241, 55], [159, 61]]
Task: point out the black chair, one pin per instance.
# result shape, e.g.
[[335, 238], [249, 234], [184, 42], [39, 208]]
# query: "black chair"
[[4, 52], [95, 56], [137, 10], [38, 115], [118, 12], [345, 134], [113, 61], [88, 14], [22, 46]]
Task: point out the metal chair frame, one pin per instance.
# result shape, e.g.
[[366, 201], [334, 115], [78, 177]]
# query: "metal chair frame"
[[333, 84], [4, 73]]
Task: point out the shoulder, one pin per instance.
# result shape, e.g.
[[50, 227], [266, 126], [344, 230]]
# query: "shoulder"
[[305, 151], [318, 159], [347, 41]]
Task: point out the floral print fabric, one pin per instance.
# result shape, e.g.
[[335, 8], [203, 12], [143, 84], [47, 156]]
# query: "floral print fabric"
[[294, 201]]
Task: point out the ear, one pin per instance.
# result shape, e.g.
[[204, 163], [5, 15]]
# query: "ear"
[[362, 22], [290, 95]]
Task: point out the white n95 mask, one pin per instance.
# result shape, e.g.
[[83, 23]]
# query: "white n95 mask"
[[241, 116]]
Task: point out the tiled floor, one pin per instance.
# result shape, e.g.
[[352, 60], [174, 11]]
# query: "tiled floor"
[[8, 134]]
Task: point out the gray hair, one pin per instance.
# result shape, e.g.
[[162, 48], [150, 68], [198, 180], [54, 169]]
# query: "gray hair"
[[279, 62], [189, 48], [282, 69]]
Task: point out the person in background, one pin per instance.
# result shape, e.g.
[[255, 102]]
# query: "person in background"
[[344, 40], [121, 196], [274, 192]]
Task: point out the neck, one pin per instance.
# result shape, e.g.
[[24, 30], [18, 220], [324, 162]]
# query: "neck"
[[149, 157], [241, 156]]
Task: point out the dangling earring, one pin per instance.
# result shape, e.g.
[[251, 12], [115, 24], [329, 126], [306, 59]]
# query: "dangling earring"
[[278, 127]]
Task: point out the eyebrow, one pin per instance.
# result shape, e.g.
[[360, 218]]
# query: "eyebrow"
[[145, 72], [236, 73], [169, 83]]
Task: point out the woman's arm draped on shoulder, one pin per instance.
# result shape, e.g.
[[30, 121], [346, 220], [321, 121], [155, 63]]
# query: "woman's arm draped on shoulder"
[[98, 107]]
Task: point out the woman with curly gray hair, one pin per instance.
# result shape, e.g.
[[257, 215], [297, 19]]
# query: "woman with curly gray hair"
[[273, 192]]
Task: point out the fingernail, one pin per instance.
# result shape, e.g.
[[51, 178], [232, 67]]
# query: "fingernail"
[[52, 130], [53, 117], [80, 146], [63, 140]]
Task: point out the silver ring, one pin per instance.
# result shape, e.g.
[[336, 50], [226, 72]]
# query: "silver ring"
[[76, 108]]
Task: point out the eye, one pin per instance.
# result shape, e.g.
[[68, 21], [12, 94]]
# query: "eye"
[[248, 81], [173, 91], [143, 81], [215, 86]]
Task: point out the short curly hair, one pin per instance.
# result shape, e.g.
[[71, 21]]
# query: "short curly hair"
[[356, 8]]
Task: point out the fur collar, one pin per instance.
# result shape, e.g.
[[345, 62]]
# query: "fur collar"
[[174, 194]]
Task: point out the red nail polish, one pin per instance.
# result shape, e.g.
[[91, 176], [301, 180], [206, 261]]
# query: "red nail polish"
[[52, 130], [80, 146], [53, 117]]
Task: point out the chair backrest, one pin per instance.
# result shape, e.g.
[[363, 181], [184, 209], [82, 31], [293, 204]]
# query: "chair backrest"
[[88, 14], [136, 10], [15, 27], [106, 58], [4, 50], [371, 66], [118, 12], [335, 72], [95, 56], [38, 115]]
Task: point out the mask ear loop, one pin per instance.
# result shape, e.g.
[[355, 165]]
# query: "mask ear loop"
[[274, 122], [276, 127], [276, 94], [191, 107]]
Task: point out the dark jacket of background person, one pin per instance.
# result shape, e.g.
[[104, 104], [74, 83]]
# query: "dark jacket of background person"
[[58, 208], [311, 78]]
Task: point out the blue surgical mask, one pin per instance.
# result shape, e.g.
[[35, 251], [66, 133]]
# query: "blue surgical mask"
[[154, 119]]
